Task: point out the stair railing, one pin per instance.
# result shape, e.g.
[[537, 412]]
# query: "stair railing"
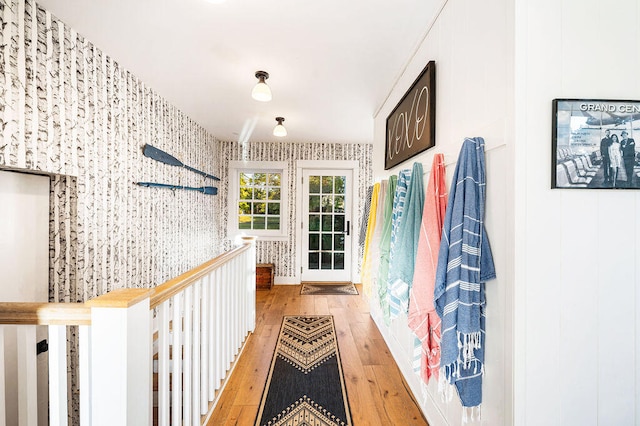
[[188, 331]]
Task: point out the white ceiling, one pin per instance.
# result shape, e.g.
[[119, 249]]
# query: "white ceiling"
[[332, 63]]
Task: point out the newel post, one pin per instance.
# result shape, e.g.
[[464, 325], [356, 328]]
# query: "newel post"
[[251, 282], [120, 360]]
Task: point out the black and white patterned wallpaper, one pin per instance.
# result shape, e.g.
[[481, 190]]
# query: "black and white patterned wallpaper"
[[71, 111], [282, 253]]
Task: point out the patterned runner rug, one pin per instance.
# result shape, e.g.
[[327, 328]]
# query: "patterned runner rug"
[[305, 385], [329, 289]]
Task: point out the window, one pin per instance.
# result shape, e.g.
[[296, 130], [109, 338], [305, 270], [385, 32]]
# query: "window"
[[257, 199]]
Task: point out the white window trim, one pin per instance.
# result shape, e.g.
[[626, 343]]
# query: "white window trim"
[[235, 167]]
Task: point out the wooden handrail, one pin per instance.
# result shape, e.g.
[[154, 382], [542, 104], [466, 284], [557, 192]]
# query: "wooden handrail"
[[19, 313], [165, 291]]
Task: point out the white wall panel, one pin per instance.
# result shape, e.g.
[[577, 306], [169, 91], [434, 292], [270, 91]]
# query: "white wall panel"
[[470, 45], [579, 275]]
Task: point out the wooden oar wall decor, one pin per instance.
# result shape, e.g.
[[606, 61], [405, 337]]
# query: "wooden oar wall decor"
[[209, 190], [166, 158]]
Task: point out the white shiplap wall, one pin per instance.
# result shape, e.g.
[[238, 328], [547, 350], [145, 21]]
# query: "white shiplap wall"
[[472, 44], [578, 273]]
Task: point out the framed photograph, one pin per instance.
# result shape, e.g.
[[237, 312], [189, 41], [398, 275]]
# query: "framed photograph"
[[411, 126], [594, 145]]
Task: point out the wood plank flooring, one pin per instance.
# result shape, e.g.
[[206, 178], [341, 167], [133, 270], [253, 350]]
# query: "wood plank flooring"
[[376, 390]]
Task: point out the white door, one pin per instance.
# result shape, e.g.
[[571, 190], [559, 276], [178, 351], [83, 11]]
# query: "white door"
[[327, 225]]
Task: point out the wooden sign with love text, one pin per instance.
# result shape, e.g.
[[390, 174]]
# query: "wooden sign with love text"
[[411, 126]]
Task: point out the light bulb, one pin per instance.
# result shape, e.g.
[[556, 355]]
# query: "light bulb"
[[261, 92], [279, 130]]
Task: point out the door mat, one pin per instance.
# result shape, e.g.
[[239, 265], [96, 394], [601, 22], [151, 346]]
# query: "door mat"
[[328, 289], [305, 385]]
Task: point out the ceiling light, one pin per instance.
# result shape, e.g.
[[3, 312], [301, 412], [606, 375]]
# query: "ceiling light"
[[261, 91], [279, 130]]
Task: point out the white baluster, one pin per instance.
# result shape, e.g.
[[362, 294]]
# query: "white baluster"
[[84, 332], [27, 376], [213, 283], [163, 363], [187, 368], [58, 375], [218, 327], [196, 354], [2, 380], [176, 374], [204, 346]]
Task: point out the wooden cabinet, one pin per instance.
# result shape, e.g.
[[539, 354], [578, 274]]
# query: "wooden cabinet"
[[264, 276]]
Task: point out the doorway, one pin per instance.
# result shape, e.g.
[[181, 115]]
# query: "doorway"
[[326, 217]]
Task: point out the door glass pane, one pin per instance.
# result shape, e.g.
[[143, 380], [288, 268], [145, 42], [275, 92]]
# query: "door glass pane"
[[338, 261], [338, 204], [340, 184], [314, 222], [314, 184], [327, 203], [327, 242], [314, 241], [327, 184], [326, 222], [338, 223], [339, 242], [314, 260], [314, 203], [326, 261]]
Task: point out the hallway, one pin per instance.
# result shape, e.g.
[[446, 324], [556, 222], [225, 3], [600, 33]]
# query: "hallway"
[[376, 391]]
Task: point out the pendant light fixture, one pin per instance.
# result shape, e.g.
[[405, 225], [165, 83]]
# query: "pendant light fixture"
[[279, 130], [261, 92]]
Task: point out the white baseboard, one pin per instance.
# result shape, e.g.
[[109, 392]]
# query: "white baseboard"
[[285, 280]]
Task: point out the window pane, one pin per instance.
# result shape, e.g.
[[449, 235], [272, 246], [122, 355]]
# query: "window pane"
[[314, 184], [338, 242], [326, 222], [246, 179], [338, 261], [274, 179], [260, 179], [314, 203], [327, 203], [338, 223], [259, 208], [259, 194], [314, 222], [326, 260], [273, 208], [327, 184], [246, 193], [327, 241], [258, 222], [244, 207], [314, 260], [314, 241], [273, 222], [274, 193], [338, 203], [244, 222], [339, 184]]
